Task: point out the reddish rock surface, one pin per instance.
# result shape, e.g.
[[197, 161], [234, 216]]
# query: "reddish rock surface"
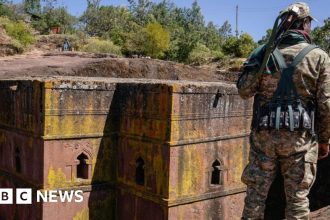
[[36, 63]]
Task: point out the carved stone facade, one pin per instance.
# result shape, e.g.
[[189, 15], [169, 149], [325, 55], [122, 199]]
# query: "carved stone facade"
[[137, 148]]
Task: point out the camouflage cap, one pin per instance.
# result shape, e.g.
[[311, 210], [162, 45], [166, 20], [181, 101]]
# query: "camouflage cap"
[[301, 9]]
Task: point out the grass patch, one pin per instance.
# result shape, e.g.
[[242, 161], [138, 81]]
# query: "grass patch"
[[19, 32], [96, 45]]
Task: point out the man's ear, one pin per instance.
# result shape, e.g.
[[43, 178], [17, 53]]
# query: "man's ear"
[[307, 25]]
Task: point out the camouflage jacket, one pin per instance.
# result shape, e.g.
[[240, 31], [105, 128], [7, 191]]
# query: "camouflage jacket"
[[311, 78]]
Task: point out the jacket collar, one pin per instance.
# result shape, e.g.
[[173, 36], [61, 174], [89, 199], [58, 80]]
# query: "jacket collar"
[[293, 37]]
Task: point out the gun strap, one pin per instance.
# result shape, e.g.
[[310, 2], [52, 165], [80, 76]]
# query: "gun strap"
[[269, 48]]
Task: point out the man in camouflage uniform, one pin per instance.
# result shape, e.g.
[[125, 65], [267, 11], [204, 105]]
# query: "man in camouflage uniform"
[[295, 153]]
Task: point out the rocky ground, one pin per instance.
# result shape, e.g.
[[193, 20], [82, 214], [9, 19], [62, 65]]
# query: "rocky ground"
[[37, 63]]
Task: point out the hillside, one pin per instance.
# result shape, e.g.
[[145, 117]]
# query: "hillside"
[[6, 46], [37, 63]]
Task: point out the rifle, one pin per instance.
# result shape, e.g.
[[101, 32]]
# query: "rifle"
[[287, 18]]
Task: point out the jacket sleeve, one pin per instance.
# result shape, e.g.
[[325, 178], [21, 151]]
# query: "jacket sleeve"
[[248, 82], [323, 102]]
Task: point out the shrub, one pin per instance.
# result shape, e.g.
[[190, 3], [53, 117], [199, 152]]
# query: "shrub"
[[199, 55], [134, 43], [152, 40], [18, 31], [96, 45], [17, 46], [79, 39], [239, 47], [218, 55], [18, 35], [246, 45], [230, 46]]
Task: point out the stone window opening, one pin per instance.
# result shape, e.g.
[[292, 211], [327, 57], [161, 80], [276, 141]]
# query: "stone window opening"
[[139, 171], [216, 177], [18, 165], [82, 167], [217, 98]]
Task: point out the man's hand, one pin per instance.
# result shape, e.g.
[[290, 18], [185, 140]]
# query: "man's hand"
[[323, 151]]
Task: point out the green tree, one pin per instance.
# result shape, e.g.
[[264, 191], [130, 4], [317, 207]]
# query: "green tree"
[[32, 6], [12, 11], [179, 49], [194, 23], [4, 9], [140, 10], [195, 16], [153, 40], [225, 30], [239, 47], [109, 22], [265, 38], [246, 45], [93, 3], [50, 4], [134, 43], [55, 17], [89, 18], [162, 13], [62, 18], [157, 40], [211, 37], [230, 46], [192, 27], [321, 35]]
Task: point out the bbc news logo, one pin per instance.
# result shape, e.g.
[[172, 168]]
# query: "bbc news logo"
[[24, 196]]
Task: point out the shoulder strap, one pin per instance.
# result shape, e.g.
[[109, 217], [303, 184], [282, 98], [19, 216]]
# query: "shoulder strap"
[[302, 54], [279, 59]]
